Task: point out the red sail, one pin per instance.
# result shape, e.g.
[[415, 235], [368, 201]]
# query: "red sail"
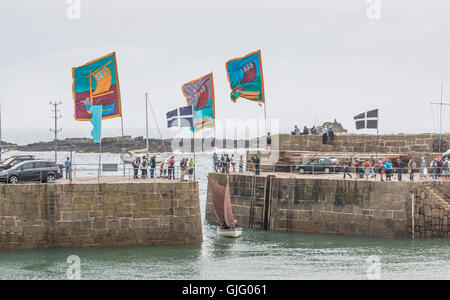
[[229, 220], [249, 72], [218, 196]]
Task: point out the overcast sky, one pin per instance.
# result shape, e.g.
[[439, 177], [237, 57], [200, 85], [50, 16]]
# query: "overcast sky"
[[322, 60]]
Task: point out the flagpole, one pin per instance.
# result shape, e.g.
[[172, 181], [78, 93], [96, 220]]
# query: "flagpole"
[[146, 119], [99, 158], [193, 143], [378, 126]]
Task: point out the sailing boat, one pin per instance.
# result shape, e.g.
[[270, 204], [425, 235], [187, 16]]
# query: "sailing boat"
[[222, 208], [128, 156]]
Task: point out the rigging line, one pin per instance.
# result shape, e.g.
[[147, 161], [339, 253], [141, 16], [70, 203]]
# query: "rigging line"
[[157, 127]]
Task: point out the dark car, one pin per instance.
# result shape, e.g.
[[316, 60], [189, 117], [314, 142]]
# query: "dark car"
[[14, 160], [320, 165], [31, 170]]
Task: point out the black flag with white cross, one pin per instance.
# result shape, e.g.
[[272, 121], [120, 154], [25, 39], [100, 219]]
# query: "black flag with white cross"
[[367, 120]]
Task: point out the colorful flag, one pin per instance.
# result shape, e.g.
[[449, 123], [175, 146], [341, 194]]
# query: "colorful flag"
[[96, 121], [246, 77], [181, 117], [97, 83], [200, 94]]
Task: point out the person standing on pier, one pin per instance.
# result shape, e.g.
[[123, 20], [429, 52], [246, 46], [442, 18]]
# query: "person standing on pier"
[[423, 168], [143, 167], [367, 165], [411, 169], [434, 169], [161, 169], [256, 162], [136, 163], [347, 168], [191, 169], [269, 141], [241, 164], [399, 165], [372, 167], [68, 166], [216, 162], [171, 167], [324, 135], [445, 169], [233, 163], [152, 166], [380, 169], [331, 135], [183, 166]]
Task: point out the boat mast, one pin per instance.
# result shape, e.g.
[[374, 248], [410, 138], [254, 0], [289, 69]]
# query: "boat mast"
[[1, 133], [441, 104], [146, 119]]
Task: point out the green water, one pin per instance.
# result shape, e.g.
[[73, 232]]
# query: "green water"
[[257, 255]]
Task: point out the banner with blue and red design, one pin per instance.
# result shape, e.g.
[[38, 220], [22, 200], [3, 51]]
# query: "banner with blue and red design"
[[97, 83], [199, 94], [245, 76]]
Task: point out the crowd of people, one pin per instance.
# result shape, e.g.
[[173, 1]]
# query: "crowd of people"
[[166, 167], [227, 164], [387, 169], [328, 133]]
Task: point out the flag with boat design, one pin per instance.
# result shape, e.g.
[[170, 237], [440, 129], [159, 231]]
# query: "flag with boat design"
[[245, 76], [199, 94], [97, 83]]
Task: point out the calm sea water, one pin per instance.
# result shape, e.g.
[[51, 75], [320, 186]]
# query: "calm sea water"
[[257, 255]]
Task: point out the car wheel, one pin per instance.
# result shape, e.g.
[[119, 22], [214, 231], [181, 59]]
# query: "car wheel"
[[301, 171], [51, 178], [327, 170], [13, 179]]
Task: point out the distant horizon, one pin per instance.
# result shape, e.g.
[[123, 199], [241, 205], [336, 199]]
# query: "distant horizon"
[[25, 136]]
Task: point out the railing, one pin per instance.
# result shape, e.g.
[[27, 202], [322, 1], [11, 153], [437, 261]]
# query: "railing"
[[340, 170], [120, 172]]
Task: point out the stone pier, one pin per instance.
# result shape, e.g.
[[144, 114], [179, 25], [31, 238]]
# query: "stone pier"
[[293, 203], [99, 214]]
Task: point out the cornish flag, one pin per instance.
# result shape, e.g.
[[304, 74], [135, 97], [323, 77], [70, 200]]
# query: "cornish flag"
[[367, 120], [181, 117]]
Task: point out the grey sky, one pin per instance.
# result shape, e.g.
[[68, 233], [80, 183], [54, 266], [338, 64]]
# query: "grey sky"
[[321, 59]]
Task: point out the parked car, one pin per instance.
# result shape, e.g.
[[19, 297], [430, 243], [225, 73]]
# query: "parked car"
[[320, 165], [446, 154], [14, 160], [31, 170]]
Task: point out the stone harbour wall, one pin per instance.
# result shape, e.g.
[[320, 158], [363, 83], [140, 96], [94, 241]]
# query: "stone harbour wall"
[[398, 143], [432, 211], [247, 199], [336, 206], [97, 215]]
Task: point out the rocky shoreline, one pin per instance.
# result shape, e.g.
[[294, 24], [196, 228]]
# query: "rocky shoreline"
[[117, 144]]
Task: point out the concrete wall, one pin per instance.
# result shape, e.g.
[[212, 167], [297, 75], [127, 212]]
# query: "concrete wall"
[[398, 143], [330, 206], [94, 215]]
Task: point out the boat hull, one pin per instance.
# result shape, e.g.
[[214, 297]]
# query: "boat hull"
[[231, 233]]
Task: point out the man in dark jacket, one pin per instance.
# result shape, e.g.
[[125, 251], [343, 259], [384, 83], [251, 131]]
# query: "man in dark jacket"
[[152, 166]]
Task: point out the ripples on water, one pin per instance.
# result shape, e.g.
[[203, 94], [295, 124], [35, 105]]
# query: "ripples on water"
[[257, 255]]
